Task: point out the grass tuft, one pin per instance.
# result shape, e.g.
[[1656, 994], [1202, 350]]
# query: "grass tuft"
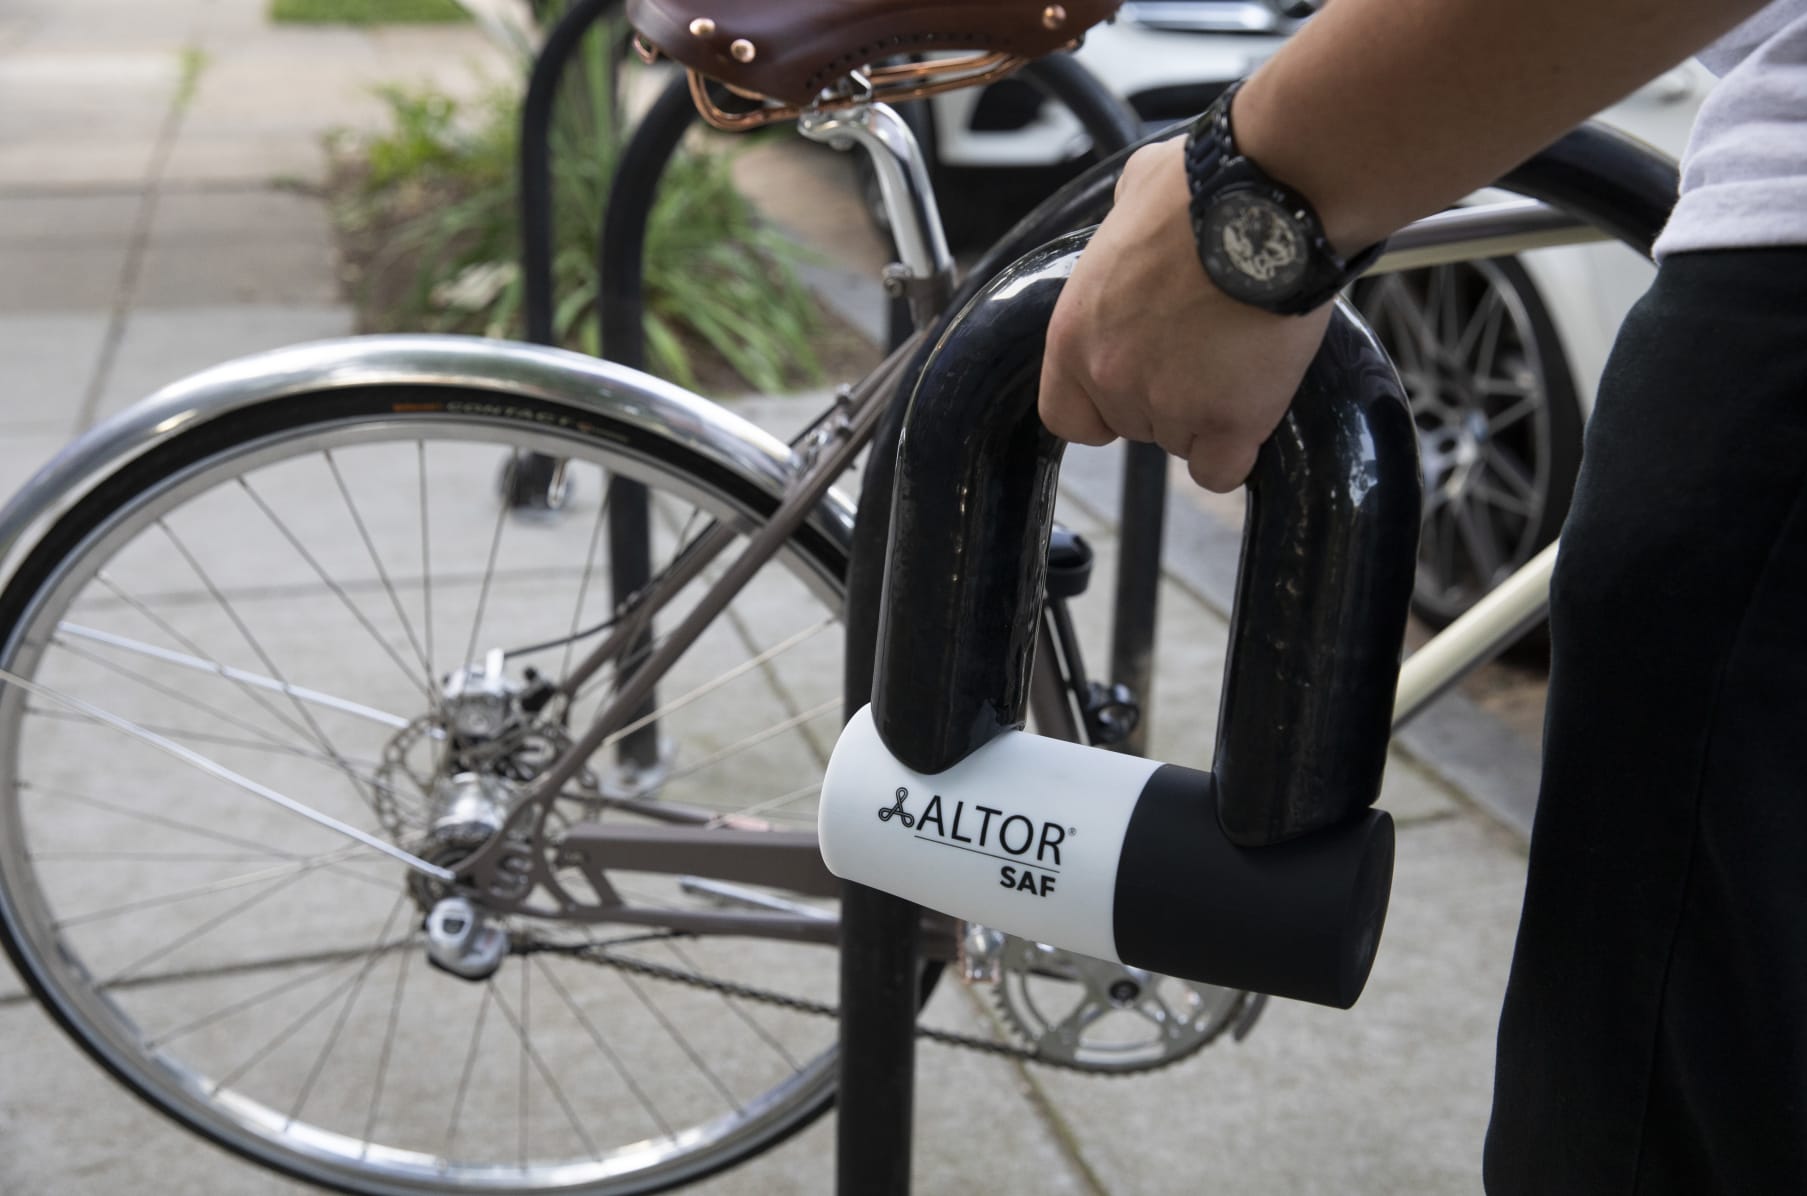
[[366, 12]]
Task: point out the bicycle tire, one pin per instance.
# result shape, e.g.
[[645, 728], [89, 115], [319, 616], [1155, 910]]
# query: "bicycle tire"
[[147, 557]]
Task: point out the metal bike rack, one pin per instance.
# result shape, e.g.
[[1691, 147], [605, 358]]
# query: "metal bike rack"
[[1111, 124]]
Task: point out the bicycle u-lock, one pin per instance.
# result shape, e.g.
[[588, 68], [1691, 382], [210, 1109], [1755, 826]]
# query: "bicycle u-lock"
[[1272, 871]]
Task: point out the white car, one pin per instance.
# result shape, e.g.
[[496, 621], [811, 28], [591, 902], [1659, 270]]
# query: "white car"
[[1500, 357]]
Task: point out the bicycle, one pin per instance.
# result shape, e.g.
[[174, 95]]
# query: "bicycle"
[[482, 789]]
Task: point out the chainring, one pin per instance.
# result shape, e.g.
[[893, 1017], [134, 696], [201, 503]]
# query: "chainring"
[[1098, 1016]]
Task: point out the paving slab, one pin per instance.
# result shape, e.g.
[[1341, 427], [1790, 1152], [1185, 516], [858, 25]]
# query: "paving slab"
[[86, 25], [74, 219], [61, 278], [255, 273], [71, 1130], [81, 116], [161, 346], [46, 164], [1389, 1097], [46, 361]]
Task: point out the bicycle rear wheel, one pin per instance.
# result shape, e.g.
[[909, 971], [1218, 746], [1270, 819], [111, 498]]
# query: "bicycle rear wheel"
[[283, 594]]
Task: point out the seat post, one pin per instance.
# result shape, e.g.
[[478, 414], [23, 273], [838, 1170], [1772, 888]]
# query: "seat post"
[[903, 179]]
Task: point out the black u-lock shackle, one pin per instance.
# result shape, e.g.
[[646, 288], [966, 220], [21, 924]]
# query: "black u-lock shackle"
[[1271, 872]]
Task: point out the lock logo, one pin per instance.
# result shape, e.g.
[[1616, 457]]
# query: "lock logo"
[[1030, 854], [886, 813]]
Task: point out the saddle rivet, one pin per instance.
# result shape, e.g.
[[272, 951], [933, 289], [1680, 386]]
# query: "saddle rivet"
[[702, 27], [1054, 16], [743, 50]]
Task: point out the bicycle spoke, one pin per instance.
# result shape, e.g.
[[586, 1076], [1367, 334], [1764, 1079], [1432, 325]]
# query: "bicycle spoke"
[[426, 562], [257, 648], [735, 1007], [709, 687], [163, 625], [189, 735], [522, 1112], [225, 774], [603, 1045], [758, 737], [154, 819], [209, 889], [239, 676], [683, 1044], [470, 1067], [182, 940], [489, 572], [764, 807], [337, 590], [351, 1000], [275, 1042], [376, 562], [583, 584], [214, 1017], [382, 1066]]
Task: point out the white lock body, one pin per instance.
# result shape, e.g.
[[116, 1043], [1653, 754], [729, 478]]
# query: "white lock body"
[[1112, 856], [1023, 836]]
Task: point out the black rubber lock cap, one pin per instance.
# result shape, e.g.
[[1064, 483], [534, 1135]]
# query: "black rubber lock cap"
[[1301, 919]]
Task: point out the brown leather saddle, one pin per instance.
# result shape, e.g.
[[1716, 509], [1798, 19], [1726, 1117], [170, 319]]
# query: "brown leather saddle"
[[789, 51]]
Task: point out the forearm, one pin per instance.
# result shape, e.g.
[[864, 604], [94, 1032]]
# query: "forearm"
[[1381, 111]]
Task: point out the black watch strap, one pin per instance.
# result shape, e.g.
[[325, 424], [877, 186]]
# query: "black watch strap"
[[1259, 240]]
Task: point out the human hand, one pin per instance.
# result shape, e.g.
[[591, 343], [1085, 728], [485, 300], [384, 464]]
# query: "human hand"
[[1143, 346]]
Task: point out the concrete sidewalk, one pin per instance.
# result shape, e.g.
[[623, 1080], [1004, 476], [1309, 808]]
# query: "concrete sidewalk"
[[148, 228]]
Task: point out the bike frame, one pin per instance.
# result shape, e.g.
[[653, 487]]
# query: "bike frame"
[[1592, 175], [1590, 179]]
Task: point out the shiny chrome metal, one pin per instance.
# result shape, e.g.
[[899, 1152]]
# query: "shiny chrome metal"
[[903, 179], [740, 895], [256, 680], [464, 941], [1487, 230], [1107, 1017], [483, 367], [1488, 629], [221, 772], [498, 869]]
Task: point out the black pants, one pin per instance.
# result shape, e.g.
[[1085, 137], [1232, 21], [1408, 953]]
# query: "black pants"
[[1654, 1036]]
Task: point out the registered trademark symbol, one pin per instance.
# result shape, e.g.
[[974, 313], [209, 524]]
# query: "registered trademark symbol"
[[1072, 830]]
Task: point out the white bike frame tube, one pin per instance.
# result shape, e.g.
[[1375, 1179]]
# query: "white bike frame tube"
[[1488, 629]]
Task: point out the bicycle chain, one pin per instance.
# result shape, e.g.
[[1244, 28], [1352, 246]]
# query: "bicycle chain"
[[729, 988]]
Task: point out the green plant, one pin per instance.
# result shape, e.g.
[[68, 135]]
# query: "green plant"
[[442, 177], [366, 12]]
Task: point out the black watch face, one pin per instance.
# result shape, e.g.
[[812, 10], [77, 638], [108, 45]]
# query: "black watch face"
[[1256, 251]]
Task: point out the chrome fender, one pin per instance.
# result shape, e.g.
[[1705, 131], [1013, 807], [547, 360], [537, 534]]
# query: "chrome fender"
[[461, 362]]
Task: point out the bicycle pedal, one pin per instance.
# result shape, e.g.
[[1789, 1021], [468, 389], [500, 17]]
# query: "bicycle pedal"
[[1112, 856]]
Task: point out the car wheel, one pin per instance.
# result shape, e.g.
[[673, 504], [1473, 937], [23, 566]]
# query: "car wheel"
[[1499, 422]]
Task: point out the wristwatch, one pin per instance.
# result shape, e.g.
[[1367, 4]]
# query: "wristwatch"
[[1259, 240]]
